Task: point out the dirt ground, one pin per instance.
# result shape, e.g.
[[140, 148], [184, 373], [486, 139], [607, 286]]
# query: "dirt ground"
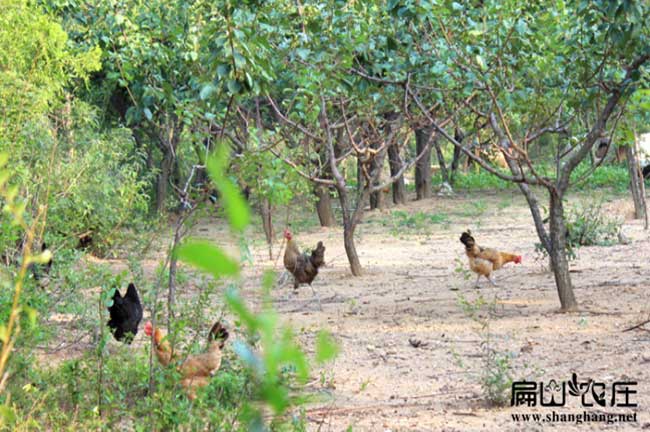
[[411, 289]]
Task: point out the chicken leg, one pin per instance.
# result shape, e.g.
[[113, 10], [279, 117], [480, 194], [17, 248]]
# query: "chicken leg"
[[320, 306]]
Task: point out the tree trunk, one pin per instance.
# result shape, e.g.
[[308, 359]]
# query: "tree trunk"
[[349, 225], [636, 182], [267, 224], [641, 182], [441, 159], [459, 136], [395, 163], [351, 250], [324, 206], [423, 166], [377, 200], [163, 180], [559, 262]]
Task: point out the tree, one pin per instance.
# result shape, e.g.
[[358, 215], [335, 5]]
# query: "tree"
[[534, 72]]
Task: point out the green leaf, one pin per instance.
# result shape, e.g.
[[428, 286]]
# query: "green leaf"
[[206, 91], [236, 207], [239, 308], [207, 257], [277, 396], [268, 279], [326, 347], [31, 315], [4, 158], [222, 70], [480, 62], [233, 86], [147, 113]]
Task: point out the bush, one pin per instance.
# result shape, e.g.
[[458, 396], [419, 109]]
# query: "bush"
[[97, 185], [588, 225]]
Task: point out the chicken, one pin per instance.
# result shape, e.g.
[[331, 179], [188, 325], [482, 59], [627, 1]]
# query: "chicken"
[[197, 369], [126, 314], [303, 266], [483, 261]]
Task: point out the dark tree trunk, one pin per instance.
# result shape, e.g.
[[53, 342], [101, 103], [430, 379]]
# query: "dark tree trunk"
[[350, 220], [162, 185], [267, 224], [455, 162], [559, 262], [423, 166], [441, 159], [395, 163], [378, 200], [636, 182]]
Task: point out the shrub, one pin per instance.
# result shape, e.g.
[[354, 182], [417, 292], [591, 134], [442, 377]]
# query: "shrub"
[[588, 225]]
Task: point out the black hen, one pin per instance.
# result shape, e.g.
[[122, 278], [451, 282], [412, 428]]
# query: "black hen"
[[126, 314]]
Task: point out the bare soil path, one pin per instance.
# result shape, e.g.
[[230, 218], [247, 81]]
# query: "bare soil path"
[[411, 289]]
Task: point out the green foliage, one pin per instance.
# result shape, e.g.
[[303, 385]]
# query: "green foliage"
[[89, 178], [476, 180], [588, 225], [606, 176], [615, 177], [271, 178], [96, 184], [236, 208]]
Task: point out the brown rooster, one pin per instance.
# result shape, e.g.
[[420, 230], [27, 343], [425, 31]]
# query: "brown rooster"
[[197, 369], [483, 261], [303, 266]]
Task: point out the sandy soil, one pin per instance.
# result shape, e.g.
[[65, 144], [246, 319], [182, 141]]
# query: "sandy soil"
[[411, 290]]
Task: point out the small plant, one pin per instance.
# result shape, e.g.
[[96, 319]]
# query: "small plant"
[[474, 209], [496, 375], [587, 226], [462, 269], [401, 222]]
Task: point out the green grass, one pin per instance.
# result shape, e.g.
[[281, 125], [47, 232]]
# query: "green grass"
[[473, 209], [608, 176], [402, 222]]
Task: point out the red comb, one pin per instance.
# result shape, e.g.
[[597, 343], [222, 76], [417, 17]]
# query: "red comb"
[[148, 328]]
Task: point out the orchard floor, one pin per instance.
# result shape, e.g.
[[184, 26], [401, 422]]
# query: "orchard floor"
[[411, 289]]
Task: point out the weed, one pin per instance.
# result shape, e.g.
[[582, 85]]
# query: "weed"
[[587, 226], [473, 209], [401, 222], [496, 375]]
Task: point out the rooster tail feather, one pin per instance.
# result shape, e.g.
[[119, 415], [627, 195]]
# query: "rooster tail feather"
[[132, 293], [467, 239], [218, 332]]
